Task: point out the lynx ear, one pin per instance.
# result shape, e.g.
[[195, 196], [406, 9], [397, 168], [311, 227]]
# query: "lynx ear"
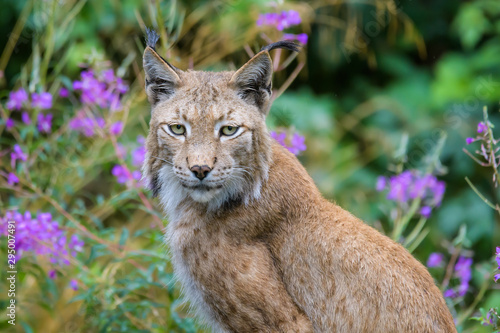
[[253, 80], [162, 79]]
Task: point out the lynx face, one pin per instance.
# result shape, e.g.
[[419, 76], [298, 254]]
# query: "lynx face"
[[208, 140], [207, 143]]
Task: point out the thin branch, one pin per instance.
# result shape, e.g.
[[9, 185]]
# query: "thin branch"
[[495, 207]]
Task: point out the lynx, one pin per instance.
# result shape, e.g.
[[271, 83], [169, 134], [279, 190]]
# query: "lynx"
[[253, 243]]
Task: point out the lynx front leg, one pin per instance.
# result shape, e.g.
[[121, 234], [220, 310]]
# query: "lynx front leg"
[[243, 289]]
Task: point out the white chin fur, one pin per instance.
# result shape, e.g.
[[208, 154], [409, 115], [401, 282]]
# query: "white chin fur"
[[202, 195]]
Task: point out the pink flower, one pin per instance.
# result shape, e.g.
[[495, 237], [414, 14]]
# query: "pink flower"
[[469, 140]]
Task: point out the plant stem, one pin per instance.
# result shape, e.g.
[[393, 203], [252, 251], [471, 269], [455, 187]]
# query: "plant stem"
[[478, 298], [493, 158], [400, 225], [480, 195]]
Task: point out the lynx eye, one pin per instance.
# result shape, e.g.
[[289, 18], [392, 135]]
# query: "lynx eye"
[[229, 130], [177, 129]]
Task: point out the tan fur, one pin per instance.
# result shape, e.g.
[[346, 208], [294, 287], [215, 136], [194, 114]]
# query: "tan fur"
[[262, 250]]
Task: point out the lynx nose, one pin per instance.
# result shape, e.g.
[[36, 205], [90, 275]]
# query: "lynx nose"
[[201, 171]]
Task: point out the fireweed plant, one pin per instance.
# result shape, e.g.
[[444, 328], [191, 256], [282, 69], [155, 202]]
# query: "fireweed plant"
[[416, 194], [486, 155]]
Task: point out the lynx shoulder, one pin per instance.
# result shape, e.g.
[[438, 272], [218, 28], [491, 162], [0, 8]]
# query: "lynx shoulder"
[[254, 245]]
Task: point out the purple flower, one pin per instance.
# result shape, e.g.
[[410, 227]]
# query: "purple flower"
[[463, 270], [420, 185], [438, 191], [52, 274], [399, 186], [280, 21], [121, 152], [63, 92], [136, 175], [42, 100], [120, 173], [16, 99], [17, 154], [115, 103], [121, 86], [12, 179], [86, 125], [25, 117], [410, 185], [116, 128], [469, 140], [73, 284], [297, 144], [103, 91], [108, 75], [481, 127], [41, 236], [75, 245], [44, 123], [426, 211], [381, 183], [9, 124], [435, 260], [138, 156], [302, 38], [449, 293], [498, 256], [280, 137]]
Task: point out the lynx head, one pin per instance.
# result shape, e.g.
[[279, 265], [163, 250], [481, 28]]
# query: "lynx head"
[[208, 140]]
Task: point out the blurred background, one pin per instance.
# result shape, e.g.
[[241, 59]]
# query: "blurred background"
[[380, 86]]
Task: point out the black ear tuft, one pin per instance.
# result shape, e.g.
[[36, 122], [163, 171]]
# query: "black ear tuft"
[[282, 44], [151, 38]]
